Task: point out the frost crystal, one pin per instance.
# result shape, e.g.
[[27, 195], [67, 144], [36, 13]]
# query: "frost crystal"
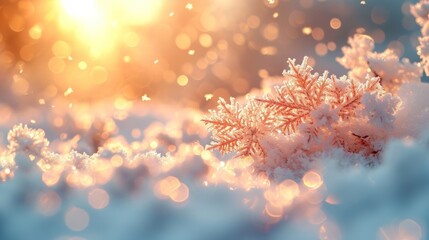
[[239, 129], [81, 169], [360, 59], [303, 116], [31, 141], [420, 11], [380, 109], [303, 92]]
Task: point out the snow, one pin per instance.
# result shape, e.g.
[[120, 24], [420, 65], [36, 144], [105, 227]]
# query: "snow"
[[371, 200]]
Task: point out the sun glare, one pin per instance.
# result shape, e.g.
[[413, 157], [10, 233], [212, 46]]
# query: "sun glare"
[[82, 10], [136, 12], [99, 22]]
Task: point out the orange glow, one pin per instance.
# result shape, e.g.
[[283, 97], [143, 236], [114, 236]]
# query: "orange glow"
[[167, 186], [50, 178], [312, 180], [171, 187], [61, 49], [289, 189], [183, 41], [35, 32], [85, 15], [100, 23], [136, 12], [182, 80], [181, 194], [81, 9], [335, 23], [116, 161], [273, 211]]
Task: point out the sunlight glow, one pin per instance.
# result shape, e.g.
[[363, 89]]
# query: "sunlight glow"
[[132, 12], [84, 10], [99, 23], [137, 12]]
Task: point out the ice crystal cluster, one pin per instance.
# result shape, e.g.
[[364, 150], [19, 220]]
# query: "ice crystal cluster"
[[29, 147], [421, 13], [361, 60], [306, 114], [81, 169], [293, 122]]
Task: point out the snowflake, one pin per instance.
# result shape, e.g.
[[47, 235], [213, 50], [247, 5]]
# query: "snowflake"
[[303, 92], [239, 129]]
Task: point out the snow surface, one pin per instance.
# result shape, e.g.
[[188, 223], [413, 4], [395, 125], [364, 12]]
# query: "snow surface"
[[387, 200]]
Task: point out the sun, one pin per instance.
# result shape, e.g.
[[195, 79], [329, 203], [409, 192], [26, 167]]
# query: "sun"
[[82, 10], [132, 12], [98, 22], [136, 12]]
